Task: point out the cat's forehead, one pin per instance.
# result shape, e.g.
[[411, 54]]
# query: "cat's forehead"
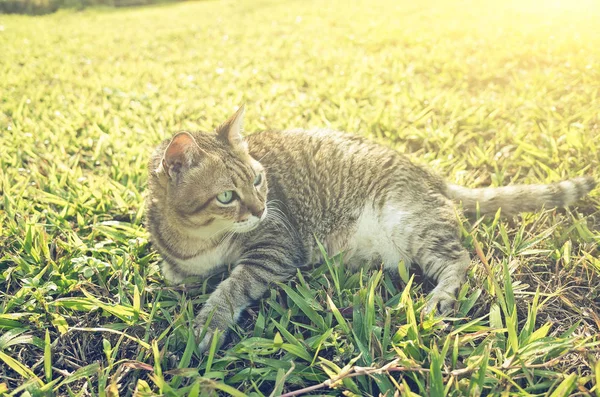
[[211, 145], [225, 171], [217, 165]]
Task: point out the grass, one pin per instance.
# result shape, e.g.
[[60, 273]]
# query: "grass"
[[483, 92]]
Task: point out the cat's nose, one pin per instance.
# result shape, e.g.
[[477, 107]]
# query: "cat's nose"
[[259, 213]]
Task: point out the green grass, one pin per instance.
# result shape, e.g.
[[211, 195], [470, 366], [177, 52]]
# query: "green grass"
[[483, 92]]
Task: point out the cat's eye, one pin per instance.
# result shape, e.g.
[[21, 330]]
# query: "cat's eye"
[[258, 180], [225, 197]]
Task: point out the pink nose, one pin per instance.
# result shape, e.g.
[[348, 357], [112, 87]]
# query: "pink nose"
[[259, 213]]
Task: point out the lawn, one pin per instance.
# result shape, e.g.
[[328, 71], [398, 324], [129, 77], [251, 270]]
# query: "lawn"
[[483, 92]]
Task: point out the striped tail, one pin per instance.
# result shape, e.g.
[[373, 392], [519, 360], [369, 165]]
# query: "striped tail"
[[521, 198]]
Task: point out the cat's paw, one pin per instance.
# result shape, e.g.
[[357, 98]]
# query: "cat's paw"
[[172, 276], [205, 342], [205, 332], [442, 300]]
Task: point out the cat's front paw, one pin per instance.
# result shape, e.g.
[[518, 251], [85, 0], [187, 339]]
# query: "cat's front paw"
[[205, 332], [441, 300], [171, 275], [206, 340]]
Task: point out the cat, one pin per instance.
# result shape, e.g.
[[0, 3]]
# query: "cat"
[[262, 202]]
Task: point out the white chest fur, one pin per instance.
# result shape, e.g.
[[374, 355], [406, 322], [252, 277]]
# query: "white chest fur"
[[206, 263]]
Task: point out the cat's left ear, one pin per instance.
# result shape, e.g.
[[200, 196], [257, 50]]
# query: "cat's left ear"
[[231, 130], [180, 154]]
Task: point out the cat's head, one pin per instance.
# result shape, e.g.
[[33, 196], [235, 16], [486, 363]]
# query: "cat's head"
[[213, 185]]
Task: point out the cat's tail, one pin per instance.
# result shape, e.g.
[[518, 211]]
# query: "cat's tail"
[[521, 198]]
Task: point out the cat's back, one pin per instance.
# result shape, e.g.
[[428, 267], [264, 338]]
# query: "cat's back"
[[314, 161], [315, 147], [324, 178], [330, 156]]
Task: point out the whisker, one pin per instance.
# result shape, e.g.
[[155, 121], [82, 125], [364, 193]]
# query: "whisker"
[[217, 232], [279, 218], [227, 238]]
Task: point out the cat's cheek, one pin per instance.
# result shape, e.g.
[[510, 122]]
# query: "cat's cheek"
[[203, 221], [220, 225], [215, 228]]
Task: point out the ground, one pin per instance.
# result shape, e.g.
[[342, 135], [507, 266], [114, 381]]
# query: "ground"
[[483, 92]]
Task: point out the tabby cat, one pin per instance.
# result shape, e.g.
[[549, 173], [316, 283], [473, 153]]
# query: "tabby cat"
[[262, 202]]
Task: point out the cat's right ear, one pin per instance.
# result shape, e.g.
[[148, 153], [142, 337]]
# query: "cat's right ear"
[[231, 130], [179, 155]]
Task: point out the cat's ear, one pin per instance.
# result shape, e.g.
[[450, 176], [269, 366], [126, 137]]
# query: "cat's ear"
[[231, 130], [179, 155]]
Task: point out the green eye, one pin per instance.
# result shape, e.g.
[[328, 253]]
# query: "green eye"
[[258, 180], [226, 197]]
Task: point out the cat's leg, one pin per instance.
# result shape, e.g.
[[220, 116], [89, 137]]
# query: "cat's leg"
[[449, 274], [428, 236], [262, 264], [438, 251]]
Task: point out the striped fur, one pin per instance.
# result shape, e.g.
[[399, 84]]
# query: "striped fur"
[[353, 195], [521, 198]]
